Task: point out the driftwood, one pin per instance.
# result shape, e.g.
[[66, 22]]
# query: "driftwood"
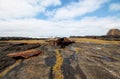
[[25, 54]]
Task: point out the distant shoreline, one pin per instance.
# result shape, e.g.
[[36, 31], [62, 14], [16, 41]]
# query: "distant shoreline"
[[103, 37]]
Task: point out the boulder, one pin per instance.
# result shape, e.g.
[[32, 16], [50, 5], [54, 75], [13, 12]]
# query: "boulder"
[[113, 32]]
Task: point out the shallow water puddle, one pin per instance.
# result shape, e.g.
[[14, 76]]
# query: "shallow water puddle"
[[108, 59]]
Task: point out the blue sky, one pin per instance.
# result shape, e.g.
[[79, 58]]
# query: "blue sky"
[[36, 18]]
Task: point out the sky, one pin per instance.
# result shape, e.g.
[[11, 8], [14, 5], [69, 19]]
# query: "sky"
[[45, 18]]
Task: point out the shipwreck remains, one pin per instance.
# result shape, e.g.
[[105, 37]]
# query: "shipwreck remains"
[[62, 42]]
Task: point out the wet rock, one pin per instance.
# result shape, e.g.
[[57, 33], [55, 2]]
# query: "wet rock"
[[50, 61], [108, 59]]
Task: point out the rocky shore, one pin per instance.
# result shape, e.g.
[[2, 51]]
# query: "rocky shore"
[[79, 61]]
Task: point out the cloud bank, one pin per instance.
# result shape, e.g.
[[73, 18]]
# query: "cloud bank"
[[19, 18]]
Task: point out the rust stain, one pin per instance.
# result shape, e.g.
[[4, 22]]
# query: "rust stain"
[[25, 54]]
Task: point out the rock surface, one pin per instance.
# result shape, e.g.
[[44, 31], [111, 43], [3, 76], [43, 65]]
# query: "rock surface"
[[79, 61], [25, 54]]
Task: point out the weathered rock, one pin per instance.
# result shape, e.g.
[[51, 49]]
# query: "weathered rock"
[[52, 41], [92, 61], [25, 54], [62, 42], [7, 48], [113, 32]]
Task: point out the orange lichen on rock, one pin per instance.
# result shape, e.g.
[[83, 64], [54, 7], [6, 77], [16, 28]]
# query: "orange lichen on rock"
[[57, 67], [25, 54]]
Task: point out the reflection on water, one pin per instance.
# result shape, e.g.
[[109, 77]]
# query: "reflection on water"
[[108, 59]]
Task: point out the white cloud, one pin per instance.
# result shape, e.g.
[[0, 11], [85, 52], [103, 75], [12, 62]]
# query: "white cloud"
[[115, 7], [10, 9], [77, 9], [17, 18], [35, 27]]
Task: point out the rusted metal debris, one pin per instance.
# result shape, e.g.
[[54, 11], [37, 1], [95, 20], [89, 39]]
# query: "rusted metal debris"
[[25, 54], [62, 42], [52, 41]]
